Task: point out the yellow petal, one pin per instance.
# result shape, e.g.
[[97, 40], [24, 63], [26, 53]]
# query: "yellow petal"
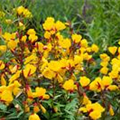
[[66, 43], [2, 65], [15, 76], [106, 81], [48, 73], [95, 115], [34, 117], [111, 111], [29, 70], [84, 81], [7, 96], [54, 65], [83, 109], [76, 38], [112, 49], [20, 10], [69, 85], [3, 81], [12, 44], [60, 26], [112, 87], [3, 48], [36, 108], [43, 109]]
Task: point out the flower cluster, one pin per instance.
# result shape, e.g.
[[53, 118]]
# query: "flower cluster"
[[61, 63]]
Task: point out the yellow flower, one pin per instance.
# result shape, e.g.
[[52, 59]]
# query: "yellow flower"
[[115, 61], [14, 87], [84, 81], [21, 25], [104, 63], [7, 36], [31, 59], [76, 38], [39, 46], [48, 73], [59, 36], [16, 84], [85, 100], [47, 35], [2, 88], [20, 10], [24, 38], [78, 59], [43, 109], [27, 13], [105, 57], [59, 26], [104, 70], [59, 78], [7, 96], [94, 110], [41, 93], [16, 91], [23, 11], [29, 92], [3, 48], [49, 24], [106, 81], [83, 109], [94, 48], [96, 85], [12, 44], [13, 69], [3, 81], [89, 49], [36, 108], [2, 65], [112, 87], [112, 49], [34, 116], [65, 43], [114, 74], [95, 115], [15, 76], [33, 37], [118, 56], [29, 70], [94, 107], [111, 111], [31, 31], [119, 50], [54, 65], [86, 56], [84, 43], [13, 36], [69, 85]]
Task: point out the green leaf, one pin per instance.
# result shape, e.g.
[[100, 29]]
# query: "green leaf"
[[3, 107], [71, 105]]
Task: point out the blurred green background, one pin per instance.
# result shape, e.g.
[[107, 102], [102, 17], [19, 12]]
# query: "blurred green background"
[[96, 20]]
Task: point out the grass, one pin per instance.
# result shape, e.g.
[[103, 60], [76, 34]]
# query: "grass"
[[97, 20]]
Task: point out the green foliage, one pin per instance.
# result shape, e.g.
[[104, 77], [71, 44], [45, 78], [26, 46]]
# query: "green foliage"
[[96, 20]]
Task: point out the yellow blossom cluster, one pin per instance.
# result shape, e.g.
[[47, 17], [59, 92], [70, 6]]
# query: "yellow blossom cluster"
[[23, 11], [40, 68]]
